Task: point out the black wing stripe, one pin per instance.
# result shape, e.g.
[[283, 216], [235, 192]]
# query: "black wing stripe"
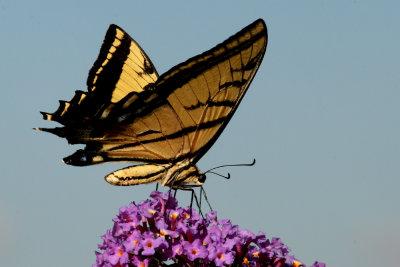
[[184, 72], [225, 103], [143, 177], [184, 131], [110, 68]]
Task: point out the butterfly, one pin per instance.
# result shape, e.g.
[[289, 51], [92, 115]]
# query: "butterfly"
[[165, 123]]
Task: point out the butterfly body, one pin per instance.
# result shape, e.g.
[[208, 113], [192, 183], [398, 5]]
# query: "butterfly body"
[[167, 122]]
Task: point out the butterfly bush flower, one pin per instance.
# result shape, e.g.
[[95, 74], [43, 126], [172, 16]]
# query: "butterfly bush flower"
[[158, 232]]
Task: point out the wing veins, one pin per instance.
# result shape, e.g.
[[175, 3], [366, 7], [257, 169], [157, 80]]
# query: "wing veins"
[[162, 133], [196, 133], [132, 77]]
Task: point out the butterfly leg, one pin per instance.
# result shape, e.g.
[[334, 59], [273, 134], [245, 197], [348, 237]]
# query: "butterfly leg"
[[202, 191], [193, 197]]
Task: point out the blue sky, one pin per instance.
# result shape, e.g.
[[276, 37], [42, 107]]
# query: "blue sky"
[[321, 117]]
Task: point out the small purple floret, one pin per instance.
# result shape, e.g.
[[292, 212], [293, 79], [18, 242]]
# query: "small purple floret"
[[159, 232]]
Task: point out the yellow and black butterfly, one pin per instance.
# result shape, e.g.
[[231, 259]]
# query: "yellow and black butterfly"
[[131, 114]]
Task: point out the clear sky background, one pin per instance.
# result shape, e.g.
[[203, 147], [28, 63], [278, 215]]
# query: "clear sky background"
[[321, 117]]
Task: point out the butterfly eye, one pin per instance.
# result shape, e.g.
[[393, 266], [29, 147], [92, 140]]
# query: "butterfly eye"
[[202, 178]]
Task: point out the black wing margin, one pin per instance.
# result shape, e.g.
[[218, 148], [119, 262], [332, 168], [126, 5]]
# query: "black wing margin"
[[121, 71]]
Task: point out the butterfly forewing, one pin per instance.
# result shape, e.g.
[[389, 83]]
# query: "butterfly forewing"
[[211, 86], [216, 92], [122, 68]]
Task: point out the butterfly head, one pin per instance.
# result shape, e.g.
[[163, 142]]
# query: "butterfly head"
[[202, 178]]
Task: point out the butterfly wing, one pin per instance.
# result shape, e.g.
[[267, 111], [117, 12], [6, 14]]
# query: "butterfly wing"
[[177, 117], [188, 109], [207, 90], [121, 70], [216, 82]]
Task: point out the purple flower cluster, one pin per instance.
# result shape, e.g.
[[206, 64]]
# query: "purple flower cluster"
[[159, 233]]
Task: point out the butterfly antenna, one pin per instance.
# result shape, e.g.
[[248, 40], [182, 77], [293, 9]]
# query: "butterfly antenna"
[[223, 176], [233, 165], [229, 165]]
